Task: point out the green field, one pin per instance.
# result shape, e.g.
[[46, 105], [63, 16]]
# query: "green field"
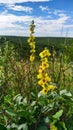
[[36, 84], [21, 46]]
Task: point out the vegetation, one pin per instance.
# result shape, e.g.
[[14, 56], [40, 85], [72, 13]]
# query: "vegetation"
[[36, 85]]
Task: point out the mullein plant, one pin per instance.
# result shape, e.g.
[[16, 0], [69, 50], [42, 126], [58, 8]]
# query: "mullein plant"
[[44, 79], [31, 42]]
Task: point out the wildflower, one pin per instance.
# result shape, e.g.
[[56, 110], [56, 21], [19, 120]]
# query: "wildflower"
[[51, 87], [32, 51], [39, 76], [40, 69], [44, 91], [43, 76], [45, 65], [48, 78], [42, 81], [32, 42], [32, 46], [45, 59], [32, 58], [53, 127], [44, 53]]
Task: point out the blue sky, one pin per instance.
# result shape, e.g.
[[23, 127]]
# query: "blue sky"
[[52, 17]]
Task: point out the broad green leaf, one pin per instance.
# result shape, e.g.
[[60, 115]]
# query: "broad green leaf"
[[23, 127], [11, 112], [39, 94], [63, 125], [18, 99], [58, 114], [46, 120], [25, 101], [64, 92], [33, 103]]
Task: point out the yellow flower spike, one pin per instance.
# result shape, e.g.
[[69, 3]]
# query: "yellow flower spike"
[[32, 42], [44, 81]]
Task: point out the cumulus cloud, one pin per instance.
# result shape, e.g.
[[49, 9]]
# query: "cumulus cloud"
[[11, 24], [20, 8]]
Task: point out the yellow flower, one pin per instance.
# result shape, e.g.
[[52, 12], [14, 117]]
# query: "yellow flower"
[[44, 91], [40, 69], [45, 65], [29, 40], [44, 76], [32, 51], [32, 44], [53, 127], [44, 53], [45, 60], [42, 81], [51, 87], [32, 58], [47, 77], [40, 75]]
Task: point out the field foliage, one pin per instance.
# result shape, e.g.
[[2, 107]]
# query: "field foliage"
[[36, 83]]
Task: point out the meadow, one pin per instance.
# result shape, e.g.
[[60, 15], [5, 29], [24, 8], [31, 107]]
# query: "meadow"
[[36, 82]]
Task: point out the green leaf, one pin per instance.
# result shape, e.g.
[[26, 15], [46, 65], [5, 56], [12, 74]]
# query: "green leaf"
[[63, 125], [2, 127], [39, 94], [10, 112], [23, 127], [46, 120], [33, 103], [18, 99], [64, 92], [58, 114], [25, 101]]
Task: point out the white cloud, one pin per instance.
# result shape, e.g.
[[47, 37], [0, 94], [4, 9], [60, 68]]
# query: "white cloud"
[[11, 24], [20, 1], [20, 8], [44, 8], [14, 25], [57, 12]]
